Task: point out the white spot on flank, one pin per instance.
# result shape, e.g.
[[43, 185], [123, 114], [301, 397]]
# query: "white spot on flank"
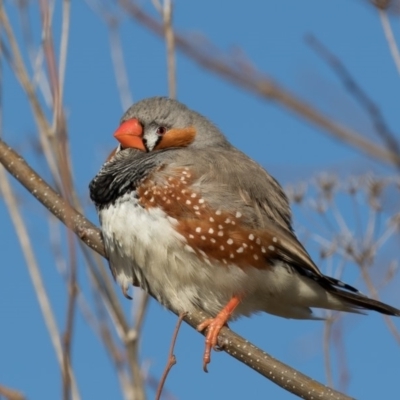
[[258, 241], [272, 248], [211, 219], [188, 202], [196, 207], [212, 240], [255, 256], [188, 175], [146, 192], [191, 236], [218, 212], [240, 250], [231, 255], [164, 198], [224, 261], [197, 213], [168, 201], [152, 199], [274, 239], [184, 172], [201, 201], [238, 214], [220, 227], [251, 236], [227, 221], [220, 233], [244, 245], [178, 198], [183, 191], [198, 229], [193, 195], [203, 237], [211, 230], [229, 241], [263, 249], [222, 247]]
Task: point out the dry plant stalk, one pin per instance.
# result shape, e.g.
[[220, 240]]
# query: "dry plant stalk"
[[10, 394], [108, 317], [242, 74], [342, 245]]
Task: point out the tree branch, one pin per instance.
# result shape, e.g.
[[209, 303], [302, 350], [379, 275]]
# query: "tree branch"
[[239, 348], [243, 75]]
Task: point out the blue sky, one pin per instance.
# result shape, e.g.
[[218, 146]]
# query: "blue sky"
[[271, 34]]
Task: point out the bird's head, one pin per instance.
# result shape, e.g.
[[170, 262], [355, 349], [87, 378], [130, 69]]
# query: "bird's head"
[[160, 123]]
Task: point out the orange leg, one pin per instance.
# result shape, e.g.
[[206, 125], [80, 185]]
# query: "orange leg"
[[214, 326]]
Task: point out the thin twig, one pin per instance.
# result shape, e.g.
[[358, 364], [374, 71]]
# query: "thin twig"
[[263, 86], [170, 43], [171, 356], [387, 29], [36, 277], [374, 294], [328, 324], [138, 381], [10, 394], [66, 16], [117, 57], [21, 73], [359, 94], [70, 316]]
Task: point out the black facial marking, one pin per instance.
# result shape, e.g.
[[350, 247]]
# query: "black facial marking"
[[121, 175]]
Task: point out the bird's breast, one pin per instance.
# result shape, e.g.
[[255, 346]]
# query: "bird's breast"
[[143, 245]]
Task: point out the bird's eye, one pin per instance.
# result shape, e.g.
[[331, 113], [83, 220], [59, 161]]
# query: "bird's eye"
[[161, 130]]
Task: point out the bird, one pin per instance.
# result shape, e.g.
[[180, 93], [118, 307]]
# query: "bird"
[[199, 225]]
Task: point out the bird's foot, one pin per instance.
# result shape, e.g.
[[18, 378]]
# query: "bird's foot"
[[214, 326]]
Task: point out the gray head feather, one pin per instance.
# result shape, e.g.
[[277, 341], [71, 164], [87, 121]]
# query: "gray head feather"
[[173, 114]]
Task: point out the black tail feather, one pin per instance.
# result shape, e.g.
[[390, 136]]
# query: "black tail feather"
[[365, 303]]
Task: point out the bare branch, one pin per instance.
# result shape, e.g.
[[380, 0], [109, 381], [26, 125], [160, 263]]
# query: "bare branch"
[[10, 394], [359, 94], [171, 356], [117, 57], [261, 85], [170, 43], [37, 280], [239, 348], [21, 73], [64, 44]]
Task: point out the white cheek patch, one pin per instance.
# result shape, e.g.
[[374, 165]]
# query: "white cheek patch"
[[150, 140]]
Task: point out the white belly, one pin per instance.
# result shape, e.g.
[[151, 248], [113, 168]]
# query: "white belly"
[[144, 244]]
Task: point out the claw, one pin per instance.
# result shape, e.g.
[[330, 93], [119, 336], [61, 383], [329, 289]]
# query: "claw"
[[125, 292], [214, 326]]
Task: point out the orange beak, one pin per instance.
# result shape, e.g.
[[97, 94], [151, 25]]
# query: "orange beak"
[[129, 134]]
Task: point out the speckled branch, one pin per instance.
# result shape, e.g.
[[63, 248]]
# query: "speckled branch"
[[239, 348]]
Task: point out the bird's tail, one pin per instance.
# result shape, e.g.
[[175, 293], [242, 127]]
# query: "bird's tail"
[[359, 302]]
